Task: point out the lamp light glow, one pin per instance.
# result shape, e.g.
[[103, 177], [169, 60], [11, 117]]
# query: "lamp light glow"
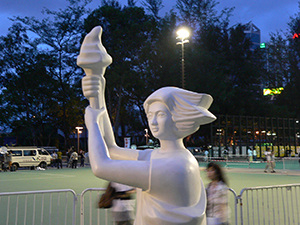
[[183, 33]]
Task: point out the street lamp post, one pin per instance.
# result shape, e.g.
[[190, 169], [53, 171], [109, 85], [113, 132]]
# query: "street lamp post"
[[147, 136], [78, 133], [182, 34]]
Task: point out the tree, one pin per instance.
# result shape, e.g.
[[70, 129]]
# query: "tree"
[[27, 87], [199, 14], [126, 30], [154, 6], [290, 97], [219, 60], [58, 37]]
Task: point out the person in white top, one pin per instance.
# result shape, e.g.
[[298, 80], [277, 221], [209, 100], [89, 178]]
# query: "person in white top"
[[254, 155], [273, 164], [206, 155], [54, 159], [169, 187], [250, 154], [268, 158], [123, 205]]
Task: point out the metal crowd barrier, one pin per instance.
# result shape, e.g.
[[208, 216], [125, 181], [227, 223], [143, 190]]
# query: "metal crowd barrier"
[[234, 218], [254, 206], [270, 205], [93, 215], [38, 207]]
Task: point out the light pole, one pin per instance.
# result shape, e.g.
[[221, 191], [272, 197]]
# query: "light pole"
[[78, 133], [146, 135], [182, 34]]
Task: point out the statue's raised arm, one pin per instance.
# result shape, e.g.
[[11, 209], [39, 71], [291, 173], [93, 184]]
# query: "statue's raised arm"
[[94, 60]]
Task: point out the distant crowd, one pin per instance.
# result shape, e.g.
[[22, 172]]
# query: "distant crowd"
[[72, 159]]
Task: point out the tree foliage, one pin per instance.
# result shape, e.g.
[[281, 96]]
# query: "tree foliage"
[[52, 50], [41, 81], [287, 68]]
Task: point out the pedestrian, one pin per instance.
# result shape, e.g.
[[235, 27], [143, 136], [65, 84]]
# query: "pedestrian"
[[54, 159], [268, 158], [82, 158], [122, 208], [69, 152], [74, 158], [1, 161], [7, 161], [59, 159], [250, 154], [273, 162], [217, 210], [254, 155], [86, 157], [226, 152], [206, 155]]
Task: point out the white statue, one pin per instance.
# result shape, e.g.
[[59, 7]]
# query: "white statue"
[[170, 189]]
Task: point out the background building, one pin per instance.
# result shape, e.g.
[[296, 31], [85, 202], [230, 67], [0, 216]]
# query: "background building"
[[253, 32]]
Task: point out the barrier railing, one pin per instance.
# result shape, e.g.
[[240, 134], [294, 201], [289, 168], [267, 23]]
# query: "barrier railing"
[[235, 203], [270, 205], [94, 215], [257, 205], [38, 207]]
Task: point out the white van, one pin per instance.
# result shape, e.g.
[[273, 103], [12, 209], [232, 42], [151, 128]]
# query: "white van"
[[28, 156]]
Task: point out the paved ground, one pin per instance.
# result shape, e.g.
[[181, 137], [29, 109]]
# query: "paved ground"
[[261, 171], [83, 178]]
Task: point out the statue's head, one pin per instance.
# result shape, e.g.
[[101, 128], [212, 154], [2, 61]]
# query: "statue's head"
[[187, 110]]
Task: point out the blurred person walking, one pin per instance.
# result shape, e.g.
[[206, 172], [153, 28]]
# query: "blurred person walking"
[[273, 164], [268, 158], [74, 158], [54, 159], [206, 155], [122, 210], [118, 197], [59, 159], [82, 158], [217, 210], [250, 155], [254, 155], [7, 161], [69, 152]]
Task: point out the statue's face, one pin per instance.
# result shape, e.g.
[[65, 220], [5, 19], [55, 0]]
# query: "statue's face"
[[160, 121]]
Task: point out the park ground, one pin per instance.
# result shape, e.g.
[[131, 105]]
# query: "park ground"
[[82, 178]]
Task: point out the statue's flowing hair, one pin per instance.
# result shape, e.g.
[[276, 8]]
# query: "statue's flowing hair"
[[189, 109]]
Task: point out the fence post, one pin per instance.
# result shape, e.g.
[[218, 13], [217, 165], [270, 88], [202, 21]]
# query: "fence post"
[[82, 203], [235, 205]]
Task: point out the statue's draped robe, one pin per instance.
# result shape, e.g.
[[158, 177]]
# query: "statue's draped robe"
[[172, 175]]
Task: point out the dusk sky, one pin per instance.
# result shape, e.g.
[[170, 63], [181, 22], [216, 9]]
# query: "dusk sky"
[[268, 16]]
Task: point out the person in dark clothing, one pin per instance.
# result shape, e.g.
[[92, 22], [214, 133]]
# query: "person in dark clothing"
[[82, 158], [59, 159]]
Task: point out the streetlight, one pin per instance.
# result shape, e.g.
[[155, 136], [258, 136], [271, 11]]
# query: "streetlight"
[[182, 34], [146, 135], [78, 132]]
